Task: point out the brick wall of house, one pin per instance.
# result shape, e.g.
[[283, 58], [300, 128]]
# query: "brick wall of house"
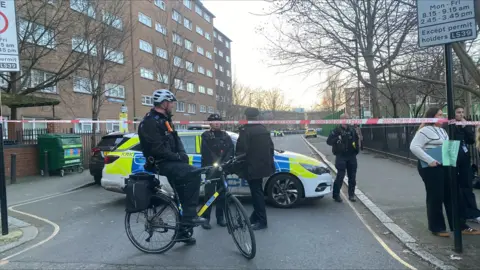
[[27, 159]]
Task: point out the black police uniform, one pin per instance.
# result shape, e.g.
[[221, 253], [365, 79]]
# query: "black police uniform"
[[344, 142], [168, 153], [255, 141], [217, 147]]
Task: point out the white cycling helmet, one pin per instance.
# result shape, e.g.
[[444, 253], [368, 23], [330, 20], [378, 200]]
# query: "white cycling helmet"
[[161, 95]]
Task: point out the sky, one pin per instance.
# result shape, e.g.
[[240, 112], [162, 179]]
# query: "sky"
[[250, 64]]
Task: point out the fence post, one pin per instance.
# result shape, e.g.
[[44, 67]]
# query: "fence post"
[[13, 168], [385, 138], [45, 165]]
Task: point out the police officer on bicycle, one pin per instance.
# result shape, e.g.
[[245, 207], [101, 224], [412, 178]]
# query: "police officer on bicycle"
[[165, 153], [217, 147], [345, 146]]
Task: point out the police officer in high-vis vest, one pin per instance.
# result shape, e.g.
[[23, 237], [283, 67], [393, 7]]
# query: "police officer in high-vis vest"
[[217, 147], [344, 141], [163, 150]]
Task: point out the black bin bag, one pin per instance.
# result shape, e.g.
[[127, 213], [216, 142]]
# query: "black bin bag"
[[139, 191]]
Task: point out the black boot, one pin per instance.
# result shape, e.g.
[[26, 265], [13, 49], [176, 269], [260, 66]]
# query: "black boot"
[[186, 236], [207, 225], [352, 198], [221, 222]]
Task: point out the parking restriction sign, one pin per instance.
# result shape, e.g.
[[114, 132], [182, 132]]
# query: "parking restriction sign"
[[9, 59]]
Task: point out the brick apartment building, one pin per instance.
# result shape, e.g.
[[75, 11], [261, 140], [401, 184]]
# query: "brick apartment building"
[[172, 45], [223, 72]]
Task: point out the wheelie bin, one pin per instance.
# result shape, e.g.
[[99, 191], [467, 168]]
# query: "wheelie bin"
[[60, 153]]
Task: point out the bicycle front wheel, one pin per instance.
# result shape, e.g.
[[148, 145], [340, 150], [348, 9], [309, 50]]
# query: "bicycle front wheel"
[[239, 227]]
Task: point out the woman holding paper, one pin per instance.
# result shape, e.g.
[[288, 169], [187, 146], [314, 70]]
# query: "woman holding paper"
[[427, 147]]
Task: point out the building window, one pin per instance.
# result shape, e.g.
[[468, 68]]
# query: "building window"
[[220, 53], [113, 126], [220, 38], [216, 81], [208, 36], [201, 89], [163, 78], [146, 73], [210, 91], [207, 17], [160, 4], [201, 69], [187, 3], [179, 84], [112, 20], [36, 34], [161, 28], [189, 66], [188, 45], [144, 19], [228, 73], [83, 85], [222, 84], [200, 50], [176, 16], [216, 66], [198, 10], [83, 6], [221, 68], [38, 77], [211, 109], [191, 87], [214, 34], [145, 46], [177, 39], [177, 61], [83, 46], [199, 30], [187, 23], [85, 127], [114, 56], [209, 73], [227, 58], [115, 90], [203, 108], [229, 87], [147, 100], [227, 44], [209, 55], [180, 107], [215, 50], [192, 108], [162, 53]]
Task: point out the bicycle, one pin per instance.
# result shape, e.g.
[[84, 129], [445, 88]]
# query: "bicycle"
[[161, 199]]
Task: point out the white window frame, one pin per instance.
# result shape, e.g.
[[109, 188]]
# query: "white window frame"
[[36, 33], [179, 84], [83, 46], [208, 36], [147, 100], [229, 87], [180, 106], [79, 127], [220, 53], [209, 55], [216, 66], [222, 84], [34, 128], [227, 44], [227, 58], [162, 53], [114, 56], [216, 81], [187, 23], [210, 91], [192, 108], [220, 68], [207, 17], [228, 73], [188, 45], [160, 4], [198, 10], [189, 66], [203, 108], [209, 73], [160, 28], [145, 46], [33, 80], [145, 73], [112, 20], [202, 89], [201, 69], [112, 126], [177, 39], [176, 16], [177, 61], [86, 88], [220, 38], [215, 34], [144, 19], [111, 88], [200, 50], [188, 4], [211, 109], [162, 78], [199, 30], [83, 6], [190, 87]]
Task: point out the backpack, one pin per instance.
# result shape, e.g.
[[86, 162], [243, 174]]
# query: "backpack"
[[139, 191]]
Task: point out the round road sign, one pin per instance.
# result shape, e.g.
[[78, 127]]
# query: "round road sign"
[[3, 23]]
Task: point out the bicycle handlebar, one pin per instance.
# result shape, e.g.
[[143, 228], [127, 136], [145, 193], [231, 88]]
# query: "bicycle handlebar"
[[220, 167]]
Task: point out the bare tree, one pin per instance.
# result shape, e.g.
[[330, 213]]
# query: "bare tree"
[[333, 95], [350, 35], [44, 29], [274, 101]]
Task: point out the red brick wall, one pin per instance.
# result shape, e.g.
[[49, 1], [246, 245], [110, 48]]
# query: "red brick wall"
[[27, 159]]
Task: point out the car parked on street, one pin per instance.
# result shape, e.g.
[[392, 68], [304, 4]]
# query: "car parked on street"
[[297, 176], [311, 133]]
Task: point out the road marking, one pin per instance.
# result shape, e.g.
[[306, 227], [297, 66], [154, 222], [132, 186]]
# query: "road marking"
[[374, 234], [56, 228]]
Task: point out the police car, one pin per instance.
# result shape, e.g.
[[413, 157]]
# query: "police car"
[[297, 176]]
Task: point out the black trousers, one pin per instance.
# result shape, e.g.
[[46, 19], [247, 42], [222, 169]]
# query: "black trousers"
[[259, 214], [219, 203], [186, 184], [345, 164], [467, 199], [438, 191]]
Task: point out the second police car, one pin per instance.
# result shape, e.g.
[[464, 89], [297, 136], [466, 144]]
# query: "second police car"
[[297, 176]]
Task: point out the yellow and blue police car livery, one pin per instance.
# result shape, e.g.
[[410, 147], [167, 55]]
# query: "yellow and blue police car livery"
[[296, 176]]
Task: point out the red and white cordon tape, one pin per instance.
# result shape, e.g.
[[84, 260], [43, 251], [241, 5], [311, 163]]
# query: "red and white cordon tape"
[[371, 121]]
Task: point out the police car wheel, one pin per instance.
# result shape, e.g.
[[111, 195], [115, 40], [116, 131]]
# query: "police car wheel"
[[284, 191]]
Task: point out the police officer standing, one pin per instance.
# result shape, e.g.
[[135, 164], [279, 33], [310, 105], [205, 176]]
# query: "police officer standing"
[[254, 140], [344, 141], [163, 149], [217, 147]]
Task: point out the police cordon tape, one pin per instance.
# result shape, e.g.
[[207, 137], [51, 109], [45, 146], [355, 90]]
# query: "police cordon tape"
[[371, 121]]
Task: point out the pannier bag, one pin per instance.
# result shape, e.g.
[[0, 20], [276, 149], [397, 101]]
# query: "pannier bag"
[[139, 191]]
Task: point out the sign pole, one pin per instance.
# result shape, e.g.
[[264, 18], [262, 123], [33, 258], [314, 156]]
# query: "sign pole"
[[454, 189]]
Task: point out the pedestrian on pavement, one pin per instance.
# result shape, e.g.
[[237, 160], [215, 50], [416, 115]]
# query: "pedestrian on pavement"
[[165, 154], [217, 147], [466, 135], [345, 146], [254, 140], [437, 186]]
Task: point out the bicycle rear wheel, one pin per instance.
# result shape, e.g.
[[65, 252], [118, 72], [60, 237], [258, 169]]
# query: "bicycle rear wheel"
[[239, 227], [160, 219]]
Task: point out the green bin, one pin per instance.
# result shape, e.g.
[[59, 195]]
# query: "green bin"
[[64, 153]]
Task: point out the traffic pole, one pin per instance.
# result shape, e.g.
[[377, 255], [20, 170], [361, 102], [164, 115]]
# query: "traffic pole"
[[457, 234], [3, 187]]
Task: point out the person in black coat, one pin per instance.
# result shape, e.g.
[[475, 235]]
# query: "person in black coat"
[[466, 136], [217, 147], [254, 140]]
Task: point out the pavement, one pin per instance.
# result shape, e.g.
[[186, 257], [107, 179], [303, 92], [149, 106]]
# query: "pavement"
[[84, 228], [395, 187]]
